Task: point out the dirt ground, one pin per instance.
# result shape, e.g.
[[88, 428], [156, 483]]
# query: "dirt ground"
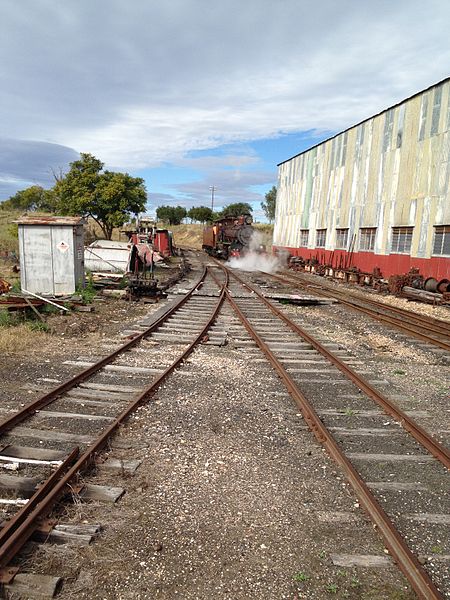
[[234, 498]]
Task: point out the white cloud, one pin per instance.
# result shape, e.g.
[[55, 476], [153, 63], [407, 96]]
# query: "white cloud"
[[143, 84]]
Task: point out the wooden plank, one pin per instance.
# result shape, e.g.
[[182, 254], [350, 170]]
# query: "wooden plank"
[[432, 518], [397, 486], [78, 535], [93, 403], [107, 387], [361, 560], [24, 485], [66, 415], [51, 435], [97, 395], [102, 493], [30, 452], [34, 587], [391, 457], [131, 369], [373, 431], [115, 465]]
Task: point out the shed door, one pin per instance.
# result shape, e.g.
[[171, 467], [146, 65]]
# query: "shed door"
[[36, 259], [63, 260]]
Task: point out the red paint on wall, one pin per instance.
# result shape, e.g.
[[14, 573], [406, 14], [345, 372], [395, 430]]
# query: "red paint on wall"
[[391, 264]]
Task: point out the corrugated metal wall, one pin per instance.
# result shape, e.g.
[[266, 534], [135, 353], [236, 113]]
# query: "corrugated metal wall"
[[392, 170]]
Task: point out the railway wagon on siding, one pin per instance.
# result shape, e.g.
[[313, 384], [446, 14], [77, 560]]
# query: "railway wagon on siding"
[[375, 196]]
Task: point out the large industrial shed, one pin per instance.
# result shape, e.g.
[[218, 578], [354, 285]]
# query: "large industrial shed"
[[375, 195]]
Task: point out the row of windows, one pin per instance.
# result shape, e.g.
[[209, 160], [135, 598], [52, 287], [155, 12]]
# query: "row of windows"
[[400, 244]]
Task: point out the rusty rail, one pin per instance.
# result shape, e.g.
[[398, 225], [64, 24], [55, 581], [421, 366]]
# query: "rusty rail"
[[24, 523], [433, 446], [354, 303], [46, 399], [408, 563]]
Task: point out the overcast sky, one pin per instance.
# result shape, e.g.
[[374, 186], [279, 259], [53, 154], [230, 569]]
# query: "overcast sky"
[[194, 93]]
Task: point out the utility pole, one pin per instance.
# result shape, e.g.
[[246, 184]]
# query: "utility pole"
[[213, 189]]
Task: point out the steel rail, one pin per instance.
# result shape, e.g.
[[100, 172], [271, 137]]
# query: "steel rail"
[[46, 399], [22, 525], [423, 320], [379, 316], [12, 545], [439, 451], [407, 562]]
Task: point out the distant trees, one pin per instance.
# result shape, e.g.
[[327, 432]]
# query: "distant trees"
[[110, 198], [269, 205], [236, 209], [32, 198], [202, 214], [173, 215]]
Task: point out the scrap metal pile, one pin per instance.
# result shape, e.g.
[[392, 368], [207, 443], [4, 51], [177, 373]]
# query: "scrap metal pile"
[[411, 285]]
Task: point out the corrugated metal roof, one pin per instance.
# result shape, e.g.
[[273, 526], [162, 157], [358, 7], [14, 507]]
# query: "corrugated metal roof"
[[50, 220], [365, 120]]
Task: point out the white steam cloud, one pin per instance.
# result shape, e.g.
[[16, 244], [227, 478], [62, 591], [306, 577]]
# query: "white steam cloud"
[[257, 257]]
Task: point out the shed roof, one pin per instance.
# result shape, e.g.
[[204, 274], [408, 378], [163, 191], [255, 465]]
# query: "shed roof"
[[50, 220]]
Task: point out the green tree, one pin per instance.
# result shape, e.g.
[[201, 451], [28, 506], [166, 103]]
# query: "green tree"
[[236, 209], [270, 204], [32, 198], [171, 214], [202, 214], [110, 198]]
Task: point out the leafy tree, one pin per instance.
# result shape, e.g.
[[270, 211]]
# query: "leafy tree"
[[108, 197], [171, 214], [270, 204], [32, 198], [200, 213], [237, 209]]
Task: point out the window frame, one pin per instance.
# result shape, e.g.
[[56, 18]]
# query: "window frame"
[[304, 232], [372, 231], [445, 232], [319, 234], [401, 241], [341, 244]]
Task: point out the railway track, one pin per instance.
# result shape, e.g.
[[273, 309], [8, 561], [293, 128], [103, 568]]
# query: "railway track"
[[396, 489], [389, 484], [95, 406], [434, 332]]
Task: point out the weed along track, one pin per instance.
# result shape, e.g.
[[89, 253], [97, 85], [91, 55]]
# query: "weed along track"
[[227, 493]]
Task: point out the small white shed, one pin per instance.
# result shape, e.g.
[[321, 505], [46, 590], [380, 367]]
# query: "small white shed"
[[51, 254]]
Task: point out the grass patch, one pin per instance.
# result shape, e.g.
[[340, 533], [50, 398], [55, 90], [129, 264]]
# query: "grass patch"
[[9, 241], [301, 576], [19, 339]]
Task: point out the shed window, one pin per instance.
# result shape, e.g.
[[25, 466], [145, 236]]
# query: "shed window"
[[401, 239], [442, 240], [304, 237], [341, 238], [321, 236], [367, 239]]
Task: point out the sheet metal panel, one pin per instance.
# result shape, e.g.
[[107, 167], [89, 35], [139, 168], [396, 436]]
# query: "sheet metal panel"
[[391, 170], [51, 256]]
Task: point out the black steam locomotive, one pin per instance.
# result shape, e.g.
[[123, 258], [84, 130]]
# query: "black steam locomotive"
[[229, 236]]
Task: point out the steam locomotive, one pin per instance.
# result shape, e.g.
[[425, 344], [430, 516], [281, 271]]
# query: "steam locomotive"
[[227, 237]]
